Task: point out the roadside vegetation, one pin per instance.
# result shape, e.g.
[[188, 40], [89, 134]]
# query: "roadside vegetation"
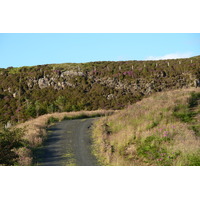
[[13, 147], [17, 144], [162, 130], [33, 133]]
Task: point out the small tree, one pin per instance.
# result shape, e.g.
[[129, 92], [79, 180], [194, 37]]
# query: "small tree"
[[60, 102]]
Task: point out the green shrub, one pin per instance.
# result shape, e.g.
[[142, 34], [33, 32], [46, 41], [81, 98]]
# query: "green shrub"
[[153, 151], [196, 129], [194, 159], [193, 100], [9, 141], [154, 124], [52, 120], [184, 113], [31, 111]]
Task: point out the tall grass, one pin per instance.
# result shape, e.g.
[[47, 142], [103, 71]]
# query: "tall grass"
[[159, 130]]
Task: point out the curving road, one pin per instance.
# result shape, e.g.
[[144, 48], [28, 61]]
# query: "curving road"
[[68, 143]]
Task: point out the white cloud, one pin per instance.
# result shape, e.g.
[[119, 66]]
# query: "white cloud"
[[170, 56]]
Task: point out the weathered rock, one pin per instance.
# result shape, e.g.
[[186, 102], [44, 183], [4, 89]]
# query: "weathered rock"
[[110, 96], [43, 83], [8, 124], [197, 83], [15, 94], [71, 73], [158, 82]]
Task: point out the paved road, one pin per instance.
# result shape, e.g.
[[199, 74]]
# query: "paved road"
[[68, 143]]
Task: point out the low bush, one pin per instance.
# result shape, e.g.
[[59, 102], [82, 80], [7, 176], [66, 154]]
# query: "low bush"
[[184, 113], [10, 141], [196, 129], [52, 120], [154, 124], [194, 159], [82, 116], [153, 151], [194, 99]]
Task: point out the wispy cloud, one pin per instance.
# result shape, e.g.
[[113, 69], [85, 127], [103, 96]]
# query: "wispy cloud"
[[170, 56]]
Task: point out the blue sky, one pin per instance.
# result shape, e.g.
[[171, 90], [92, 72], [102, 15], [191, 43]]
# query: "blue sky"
[[28, 49]]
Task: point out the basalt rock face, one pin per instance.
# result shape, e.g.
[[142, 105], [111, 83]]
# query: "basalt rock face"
[[69, 79], [31, 91], [133, 85]]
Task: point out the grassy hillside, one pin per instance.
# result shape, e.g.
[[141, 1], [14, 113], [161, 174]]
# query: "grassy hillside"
[[163, 129], [28, 92]]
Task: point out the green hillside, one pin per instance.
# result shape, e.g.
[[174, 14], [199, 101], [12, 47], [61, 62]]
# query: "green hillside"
[[28, 92]]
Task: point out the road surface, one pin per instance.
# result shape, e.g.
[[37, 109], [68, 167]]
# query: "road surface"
[[68, 143]]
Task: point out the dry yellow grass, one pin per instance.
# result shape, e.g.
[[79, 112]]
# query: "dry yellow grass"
[[120, 138], [35, 130]]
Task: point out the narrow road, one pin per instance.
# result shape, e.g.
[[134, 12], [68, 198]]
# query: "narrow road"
[[68, 143]]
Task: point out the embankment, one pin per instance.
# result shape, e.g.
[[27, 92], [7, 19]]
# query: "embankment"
[[159, 130]]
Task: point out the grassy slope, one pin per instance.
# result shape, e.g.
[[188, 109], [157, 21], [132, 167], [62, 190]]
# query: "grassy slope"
[[159, 130]]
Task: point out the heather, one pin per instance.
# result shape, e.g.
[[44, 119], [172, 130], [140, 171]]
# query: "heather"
[[29, 92]]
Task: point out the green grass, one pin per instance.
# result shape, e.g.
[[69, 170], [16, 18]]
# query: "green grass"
[[194, 99], [14, 70], [52, 120], [196, 129], [184, 113], [81, 116], [152, 149], [154, 124], [194, 159], [70, 159], [10, 140]]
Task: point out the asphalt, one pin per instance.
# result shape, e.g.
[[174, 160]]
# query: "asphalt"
[[68, 144]]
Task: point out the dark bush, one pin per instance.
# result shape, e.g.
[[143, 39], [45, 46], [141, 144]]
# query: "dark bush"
[[52, 120], [9, 141]]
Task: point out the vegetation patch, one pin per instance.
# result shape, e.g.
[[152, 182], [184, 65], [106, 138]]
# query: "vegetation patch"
[[81, 116], [29, 92], [189, 113], [22, 145], [196, 129], [12, 144], [194, 99], [52, 120], [153, 151], [154, 124], [184, 113], [160, 130], [194, 159]]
